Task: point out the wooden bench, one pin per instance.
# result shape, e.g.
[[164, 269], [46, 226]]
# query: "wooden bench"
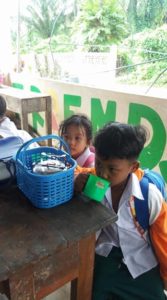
[[25, 102]]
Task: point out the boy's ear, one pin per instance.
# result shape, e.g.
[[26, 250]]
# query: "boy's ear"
[[135, 166]]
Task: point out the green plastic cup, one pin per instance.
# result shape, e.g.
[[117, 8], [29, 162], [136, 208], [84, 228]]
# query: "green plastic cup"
[[96, 188]]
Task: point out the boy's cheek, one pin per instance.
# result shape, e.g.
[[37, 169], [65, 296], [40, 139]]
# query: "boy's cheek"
[[99, 171]]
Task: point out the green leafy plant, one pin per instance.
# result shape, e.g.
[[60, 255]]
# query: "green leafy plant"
[[148, 52], [100, 24]]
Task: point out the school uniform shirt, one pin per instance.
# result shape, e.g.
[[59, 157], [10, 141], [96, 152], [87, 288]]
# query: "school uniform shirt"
[[8, 128], [138, 252], [86, 159]]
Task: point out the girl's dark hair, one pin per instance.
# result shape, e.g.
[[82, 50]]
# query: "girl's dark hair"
[[78, 120], [119, 140], [2, 107]]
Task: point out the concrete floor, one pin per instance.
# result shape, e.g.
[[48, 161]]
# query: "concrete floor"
[[61, 294]]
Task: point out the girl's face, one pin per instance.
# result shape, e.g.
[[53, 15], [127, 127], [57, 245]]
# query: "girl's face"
[[76, 138], [115, 170]]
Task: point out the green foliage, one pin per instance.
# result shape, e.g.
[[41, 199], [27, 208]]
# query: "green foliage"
[[100, 23], [123, 60], [149, 44], [60, 43], [40, 17], [146, 74], [59, 26], [156, 41], [145, 14], [45, 27], [146, 46], [95, 23], [45, 19]]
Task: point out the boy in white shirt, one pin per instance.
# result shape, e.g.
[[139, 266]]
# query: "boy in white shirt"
[[7, 127], [128, 265]]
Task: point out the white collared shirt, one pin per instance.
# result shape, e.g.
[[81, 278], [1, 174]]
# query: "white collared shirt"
[[137, 252], [83, 157], [8, 128]]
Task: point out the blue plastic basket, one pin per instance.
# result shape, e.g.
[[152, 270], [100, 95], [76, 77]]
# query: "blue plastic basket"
[[44, 191]]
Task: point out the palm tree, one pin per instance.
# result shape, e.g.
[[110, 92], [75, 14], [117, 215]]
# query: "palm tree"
[[40, 17], [46, 17]]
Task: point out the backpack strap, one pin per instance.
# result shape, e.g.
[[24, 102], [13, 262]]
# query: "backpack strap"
[[89, 160], [141, 206], [158, 180]]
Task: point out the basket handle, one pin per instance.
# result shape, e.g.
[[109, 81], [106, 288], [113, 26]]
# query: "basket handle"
[[40, 139]]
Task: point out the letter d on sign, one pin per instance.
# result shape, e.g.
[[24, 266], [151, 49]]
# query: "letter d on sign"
[[152, 153]]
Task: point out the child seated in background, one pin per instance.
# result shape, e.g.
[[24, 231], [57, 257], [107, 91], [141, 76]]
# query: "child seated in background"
[[8, 128], [77, 132], [128, 265]]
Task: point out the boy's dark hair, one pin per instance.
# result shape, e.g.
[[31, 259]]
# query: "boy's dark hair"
[[2, 107], [119, 140], [78, 120]]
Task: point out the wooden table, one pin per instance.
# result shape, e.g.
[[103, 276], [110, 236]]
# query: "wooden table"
[[25, 102], [41, 250]]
